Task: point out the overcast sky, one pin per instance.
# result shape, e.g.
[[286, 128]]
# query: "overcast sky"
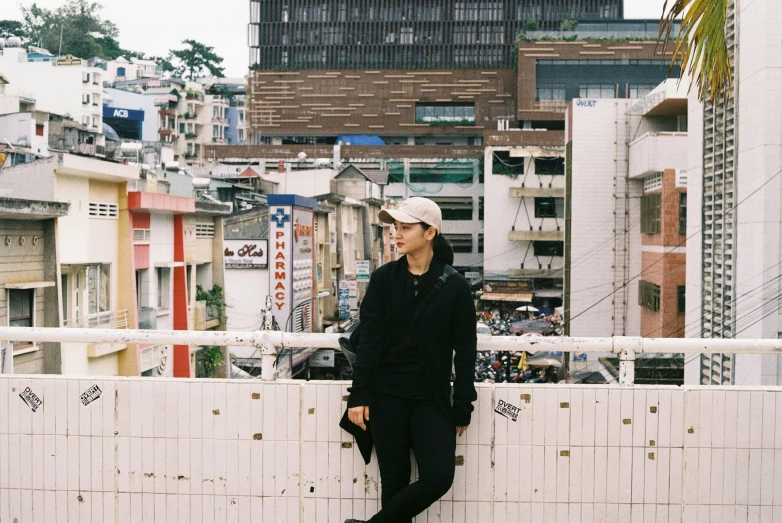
[[155, 26]]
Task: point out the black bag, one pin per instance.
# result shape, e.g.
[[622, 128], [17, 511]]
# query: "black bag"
[[350, 340]]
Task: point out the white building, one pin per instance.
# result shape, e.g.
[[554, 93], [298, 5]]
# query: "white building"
[[525, 219], [457, 187], [733, 266], [603, 238], [66, 86]]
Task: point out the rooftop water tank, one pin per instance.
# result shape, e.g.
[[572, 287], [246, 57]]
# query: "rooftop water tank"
[[14, 41]]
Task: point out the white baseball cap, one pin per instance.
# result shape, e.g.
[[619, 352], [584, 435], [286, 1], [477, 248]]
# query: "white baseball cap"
[[414, 210]]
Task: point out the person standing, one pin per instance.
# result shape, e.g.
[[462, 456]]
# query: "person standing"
[[414, 328]]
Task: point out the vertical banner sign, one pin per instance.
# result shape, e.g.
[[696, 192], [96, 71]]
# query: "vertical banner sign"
[[344, 300], [303, 273], [291, 261]]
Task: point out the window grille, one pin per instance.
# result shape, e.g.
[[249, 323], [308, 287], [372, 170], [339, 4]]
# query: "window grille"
[[205, 230], [103, 210], [141, 235]]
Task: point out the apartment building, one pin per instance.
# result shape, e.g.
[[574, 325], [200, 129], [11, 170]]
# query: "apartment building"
[[30, 281], [66, 86], [733, 254], [89, 246]]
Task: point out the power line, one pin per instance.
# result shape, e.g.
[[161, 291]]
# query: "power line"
[[627, 282]]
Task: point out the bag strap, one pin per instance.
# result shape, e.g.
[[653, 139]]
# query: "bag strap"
[[448, 271]]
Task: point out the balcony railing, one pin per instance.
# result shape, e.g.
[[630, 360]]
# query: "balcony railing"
[[245, 447], [100, 320]]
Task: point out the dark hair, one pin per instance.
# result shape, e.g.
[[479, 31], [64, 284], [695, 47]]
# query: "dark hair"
[[442, 247]]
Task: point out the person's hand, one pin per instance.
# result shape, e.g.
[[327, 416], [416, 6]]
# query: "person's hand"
[[459, 430], [357, 415]]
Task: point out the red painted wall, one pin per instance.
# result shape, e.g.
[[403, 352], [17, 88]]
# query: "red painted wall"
[[181, 352]]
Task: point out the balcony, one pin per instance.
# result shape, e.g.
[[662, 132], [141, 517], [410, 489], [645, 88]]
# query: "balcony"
[[537, 235], [608, 453], [656, 152], [524, 138], [101, 320], [204, 317], [521, 192], [147, 318]]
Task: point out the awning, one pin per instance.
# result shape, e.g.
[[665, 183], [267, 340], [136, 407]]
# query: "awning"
[[29, 285], [548, 293], [169, 265], [507, 296]]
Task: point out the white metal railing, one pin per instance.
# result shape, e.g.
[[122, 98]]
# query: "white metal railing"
[[625, 347], [101, 320]]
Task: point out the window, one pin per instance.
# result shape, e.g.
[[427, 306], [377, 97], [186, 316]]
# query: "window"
[[455, 208], [682, 213], [181, 128], [551, 93], [549, 207], [480, 243], [241, 135], [653, 182], [205, 230], [21, 304], [640, 90], [503, 164], [85, 99], [650, 213], [549, 248], [649, 296], [460, 242], [98, 290], [120, 71], [38, 129], [103, 210], [550, 165], [445, 113], [141, 236], [163, 288], [681, 302], [597, 91], [480, 209]]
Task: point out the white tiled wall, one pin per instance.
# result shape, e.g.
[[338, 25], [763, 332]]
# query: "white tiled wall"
[[181, 450]]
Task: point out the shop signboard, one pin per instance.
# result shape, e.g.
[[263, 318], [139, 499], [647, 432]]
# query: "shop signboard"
[[507, 286], [292, 260], [352, 288], [363, 270], [472, 275], [246, 254]]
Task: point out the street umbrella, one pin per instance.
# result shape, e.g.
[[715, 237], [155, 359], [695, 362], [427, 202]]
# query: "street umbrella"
[[544, 359], [527, 308]]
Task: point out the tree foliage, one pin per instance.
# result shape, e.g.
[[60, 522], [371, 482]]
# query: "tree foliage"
[[80, 26], [700, 45], [10, 28], [195, 61]]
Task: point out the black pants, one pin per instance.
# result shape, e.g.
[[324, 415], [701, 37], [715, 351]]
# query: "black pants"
[[398, 425]]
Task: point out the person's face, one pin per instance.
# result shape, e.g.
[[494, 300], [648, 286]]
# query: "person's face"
[[411, 238]]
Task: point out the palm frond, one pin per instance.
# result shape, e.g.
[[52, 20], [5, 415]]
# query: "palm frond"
[[700, 47]]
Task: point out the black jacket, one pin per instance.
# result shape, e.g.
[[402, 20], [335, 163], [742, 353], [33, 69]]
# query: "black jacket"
[[446, 334]]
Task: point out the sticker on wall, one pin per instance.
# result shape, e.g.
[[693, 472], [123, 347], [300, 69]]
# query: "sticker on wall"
[[90, 395], [506, 409], [29, 397]]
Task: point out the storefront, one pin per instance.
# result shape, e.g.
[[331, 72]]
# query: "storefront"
[[125, 122]]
